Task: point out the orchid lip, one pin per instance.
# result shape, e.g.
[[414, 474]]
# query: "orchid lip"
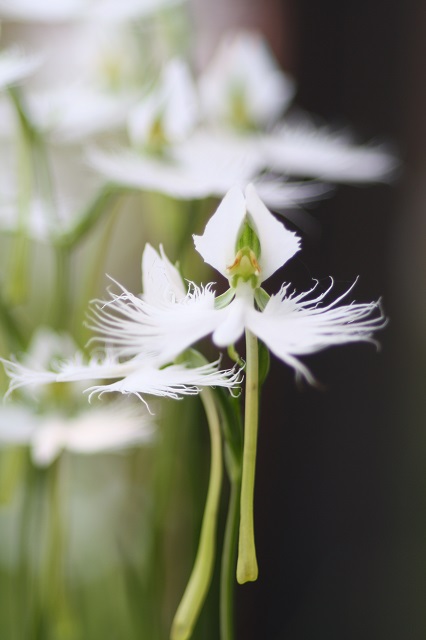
[[244, 267]]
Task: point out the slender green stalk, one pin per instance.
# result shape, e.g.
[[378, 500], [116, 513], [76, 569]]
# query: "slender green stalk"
[[199, 582], [247, 563], [229, 558]]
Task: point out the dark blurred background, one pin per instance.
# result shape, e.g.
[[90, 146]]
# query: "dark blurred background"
[[341, 477]]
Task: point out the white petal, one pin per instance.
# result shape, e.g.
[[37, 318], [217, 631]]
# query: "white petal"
[[163, 331], [114, 427], [244, 63], [174, 381], [293, 326], [161, 280], [218, 242], [233, 318], [17, 424], [277, 244], [303, 150], [173, 103], [51, 11], [78, 111], [40, 10], [48, 442]]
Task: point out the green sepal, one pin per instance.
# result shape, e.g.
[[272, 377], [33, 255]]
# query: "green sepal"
[[264, 362], [224, 299], [262, 298]]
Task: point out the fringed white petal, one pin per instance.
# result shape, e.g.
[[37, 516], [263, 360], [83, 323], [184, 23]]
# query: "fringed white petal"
[[134, 327], [297, 325], [174, 381], [303, 150]]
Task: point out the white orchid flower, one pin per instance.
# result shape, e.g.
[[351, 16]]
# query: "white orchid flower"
[[246, 244], [207, 164], [169, 113], [134, 361], [111, 428], [243, 84]]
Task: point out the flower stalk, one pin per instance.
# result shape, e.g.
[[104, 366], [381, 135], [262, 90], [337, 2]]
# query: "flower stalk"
[[247, 570], [199, 582]]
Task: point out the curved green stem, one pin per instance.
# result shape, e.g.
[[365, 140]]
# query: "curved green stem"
[[199, 582], [247, 563]]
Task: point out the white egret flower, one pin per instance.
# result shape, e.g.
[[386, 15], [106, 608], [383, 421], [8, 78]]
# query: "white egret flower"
[[244, 87], [243, 84], [207, 164], [114, 427], [246, 244], [136, 366], [75, 427], [169, 113]]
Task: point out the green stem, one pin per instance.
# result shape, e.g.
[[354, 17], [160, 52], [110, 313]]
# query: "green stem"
[[229, 558], [247, 563], [101, 203], [197, 587]]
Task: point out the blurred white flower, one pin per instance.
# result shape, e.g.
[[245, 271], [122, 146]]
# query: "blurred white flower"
[[168, 114], [243, 85], [73, 113], [64, 10], [207, 164], [48, 427], [114, 427]]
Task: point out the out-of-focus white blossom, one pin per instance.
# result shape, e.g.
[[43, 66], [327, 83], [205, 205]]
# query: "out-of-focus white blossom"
[[56, 11], [113, 427], [243, 85], [207, 164], [168, 114]]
